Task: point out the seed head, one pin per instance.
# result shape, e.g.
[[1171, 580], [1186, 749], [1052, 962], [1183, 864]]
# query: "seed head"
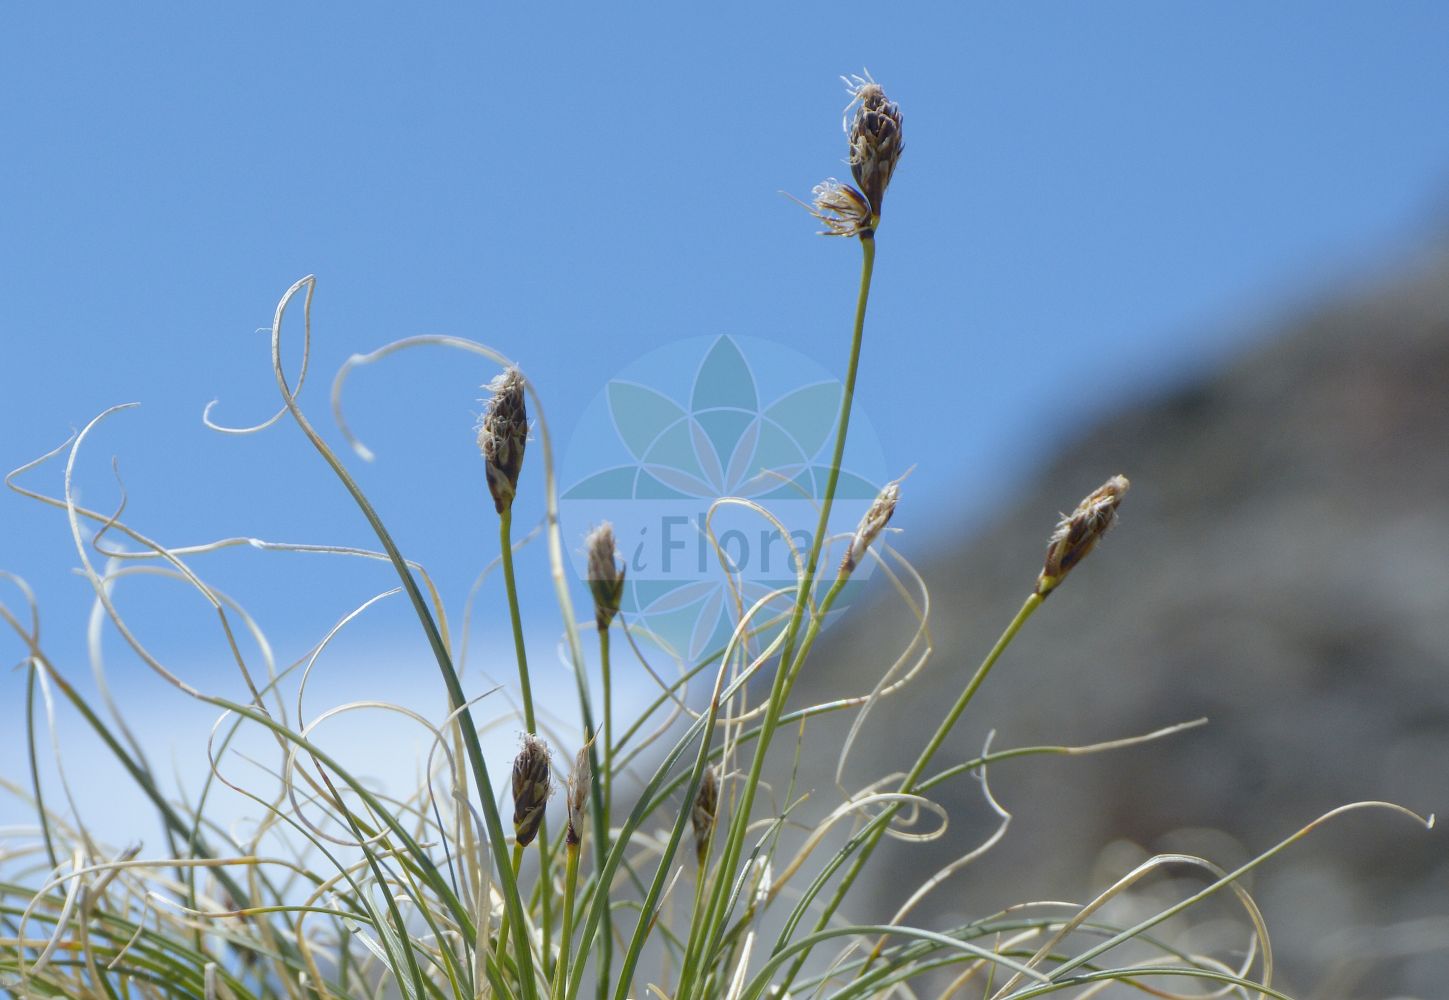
[[1078, 533], [531, 788], [841, 207], [581, 783], [702, 813], [875, 139], [502, 436], [871, 525], [606, 574]]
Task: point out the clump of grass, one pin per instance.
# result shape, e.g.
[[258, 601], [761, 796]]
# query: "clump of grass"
[[342, 891]]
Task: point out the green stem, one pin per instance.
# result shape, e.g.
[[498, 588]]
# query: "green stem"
[[604, 811], [505, 533], [601, 826], [648, 910], [502, 946], [802, 597], [1028, 607], [571, 878], [608, 775], [703, 727], [703, 944], [812, 631], [872, 834]]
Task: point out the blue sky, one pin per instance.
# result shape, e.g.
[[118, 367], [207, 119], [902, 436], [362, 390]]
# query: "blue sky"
[[1095, 200]]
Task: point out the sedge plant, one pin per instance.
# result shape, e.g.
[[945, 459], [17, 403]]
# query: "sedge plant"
[[672, 867]]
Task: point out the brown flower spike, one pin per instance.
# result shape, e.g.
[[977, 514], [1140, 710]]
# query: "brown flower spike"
[[503, 435], [875, 140], [531, 788], [702, 813], [606, 574], [1079, 533]]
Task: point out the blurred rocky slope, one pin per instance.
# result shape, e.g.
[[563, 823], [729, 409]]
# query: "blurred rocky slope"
[[1281, 567]]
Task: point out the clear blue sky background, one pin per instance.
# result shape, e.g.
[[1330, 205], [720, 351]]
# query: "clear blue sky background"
[[1095, 199]]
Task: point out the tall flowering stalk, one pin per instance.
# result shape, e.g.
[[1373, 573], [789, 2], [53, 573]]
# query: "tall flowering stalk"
[[502, 441], [874, 147], [606, 584]]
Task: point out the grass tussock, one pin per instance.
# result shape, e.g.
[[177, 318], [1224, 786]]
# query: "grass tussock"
[[652, 855]]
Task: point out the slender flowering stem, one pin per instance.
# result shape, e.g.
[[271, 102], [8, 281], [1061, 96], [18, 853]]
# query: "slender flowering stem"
[[505, 532], [871, 836], [812, 631], [571, 878], [704, 939], [603, 813], [608, 754], [604, 808], [1028, 608], [503, 924], [606, 584], [601, 835], [1074, 538]]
